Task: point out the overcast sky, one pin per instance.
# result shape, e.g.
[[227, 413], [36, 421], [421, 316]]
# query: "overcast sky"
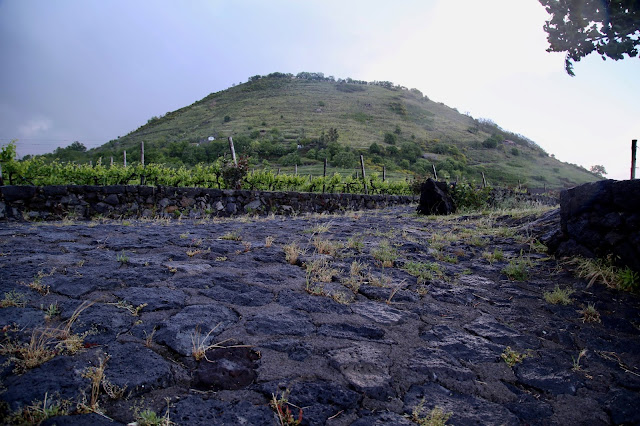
[[93, 70]]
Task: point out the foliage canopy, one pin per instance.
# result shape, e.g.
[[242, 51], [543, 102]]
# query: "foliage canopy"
[[579, 27]]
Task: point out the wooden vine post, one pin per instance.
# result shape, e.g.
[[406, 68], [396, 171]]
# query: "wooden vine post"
[[384, 173], [142, 162], [125, 158], [324, 175], [634, 145], [233, 151], [364, 178], [435, 173], [484, 181]]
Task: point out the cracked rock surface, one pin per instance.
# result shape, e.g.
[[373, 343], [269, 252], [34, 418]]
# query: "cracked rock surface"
[[356, 318]]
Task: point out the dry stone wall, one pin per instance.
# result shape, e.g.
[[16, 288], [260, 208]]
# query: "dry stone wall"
[[601, 219], [120, 201]]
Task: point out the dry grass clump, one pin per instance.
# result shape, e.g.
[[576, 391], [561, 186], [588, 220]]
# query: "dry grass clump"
[[590, 314], [325, 246], [292, 252], [200, 344]]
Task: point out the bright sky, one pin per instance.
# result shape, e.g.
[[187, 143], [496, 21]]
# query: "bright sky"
[[93, 70]]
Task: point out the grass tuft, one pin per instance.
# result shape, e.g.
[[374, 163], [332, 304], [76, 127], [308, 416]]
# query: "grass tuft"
[[559, 296], [512, 357], [436, 417]]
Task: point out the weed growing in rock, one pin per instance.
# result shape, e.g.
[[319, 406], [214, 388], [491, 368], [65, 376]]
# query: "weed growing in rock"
[[193, 252], [590, 314], [122, 258], [281, 406], [13, 298], [148, 340], [45, 343], [355, 279], [51, 311], [318, 270], [496, 256], [423, 271], [39, 411], [232, 236], [149, 417], [96, 375], [355, 242], [384, 234], [559, 296], [477, 241], [378, 281], [385, 254], [39, 350], [184, 236], [435, 417], [319, 229], [603, 271], [200, 346], [512, 357], [576, 361], [133, 310], [518, 268], [324, 246], [447, 258], [37, 284], [341, 298], [393, 292], [537, 247], [268, 241]]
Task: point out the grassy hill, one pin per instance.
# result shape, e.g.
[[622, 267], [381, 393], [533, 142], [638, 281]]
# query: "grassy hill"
[[281, 120]]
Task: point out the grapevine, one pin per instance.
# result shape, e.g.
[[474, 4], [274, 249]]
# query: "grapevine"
[[35, 171]]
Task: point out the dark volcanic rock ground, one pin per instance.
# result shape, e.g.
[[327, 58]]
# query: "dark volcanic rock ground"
[[380, 311]]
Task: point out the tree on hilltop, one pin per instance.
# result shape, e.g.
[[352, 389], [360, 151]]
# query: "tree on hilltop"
[[579, 27], [598, 170]]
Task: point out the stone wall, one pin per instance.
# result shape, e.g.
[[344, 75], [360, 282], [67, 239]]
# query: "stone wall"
[[600, 219], [119, 201]]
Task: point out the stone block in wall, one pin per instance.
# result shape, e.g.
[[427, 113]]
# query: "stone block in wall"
[[112, 199], [12, 193], [54, 190], [146, 191]]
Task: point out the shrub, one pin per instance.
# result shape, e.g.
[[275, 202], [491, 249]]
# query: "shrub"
[[232, 174], [466, 196], [390, 138], [492, 142]]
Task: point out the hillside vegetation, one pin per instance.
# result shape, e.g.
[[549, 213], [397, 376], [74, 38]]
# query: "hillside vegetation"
[[282, 120]]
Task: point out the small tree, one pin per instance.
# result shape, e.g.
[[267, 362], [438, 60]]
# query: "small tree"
[[8, 159], [598, 170]]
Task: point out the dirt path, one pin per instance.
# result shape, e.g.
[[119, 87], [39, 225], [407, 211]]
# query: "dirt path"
[[380, 311]]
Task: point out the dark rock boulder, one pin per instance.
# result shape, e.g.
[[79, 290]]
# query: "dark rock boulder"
[[435, 198]]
